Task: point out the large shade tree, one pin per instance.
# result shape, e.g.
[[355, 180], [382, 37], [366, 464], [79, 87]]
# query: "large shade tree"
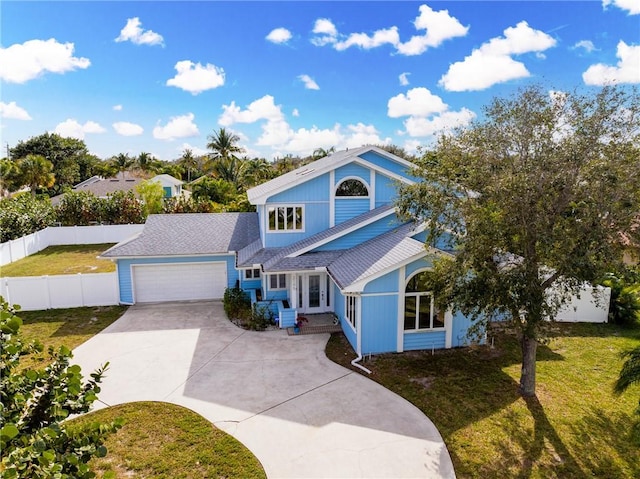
[[535, 197]]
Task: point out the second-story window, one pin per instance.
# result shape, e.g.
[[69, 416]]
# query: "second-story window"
[[352, 187], [286, 218]]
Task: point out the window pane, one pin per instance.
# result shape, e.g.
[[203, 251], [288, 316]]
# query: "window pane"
[[282, 211], [282, 281], [299, 291], [273, 281], [328, 291], [299, 225], [256, 273], [410, 312], [424, 321], [438, 319], [247, 274], [352, 187], [418, 283], [272, 218], [289, 218]]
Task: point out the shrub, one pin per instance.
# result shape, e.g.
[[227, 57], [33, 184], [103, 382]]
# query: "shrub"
[[237, 304], [123, 208], [24, 215], [34, 438], [261, 318], [80, 208], [624, 308]]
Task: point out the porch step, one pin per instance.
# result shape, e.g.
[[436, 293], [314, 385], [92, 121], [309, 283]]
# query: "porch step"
[[329, 328]]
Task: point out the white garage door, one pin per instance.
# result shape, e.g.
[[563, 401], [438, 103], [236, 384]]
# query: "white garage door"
[[179, 282]]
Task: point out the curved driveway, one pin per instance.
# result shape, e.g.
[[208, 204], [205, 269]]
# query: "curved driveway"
[[302, 415]]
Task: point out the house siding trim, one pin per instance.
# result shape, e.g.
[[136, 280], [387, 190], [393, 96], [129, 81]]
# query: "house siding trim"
[[401, 286]]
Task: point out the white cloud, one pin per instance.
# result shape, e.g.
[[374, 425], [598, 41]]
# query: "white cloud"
[[361, 134], [195, 78], [419, 126], [403, 78], [279, 35], [72, 129], [438, 27], [12, 111], [261, 109], [587, 45], [627, 70], [309, 83], [178, 127], [125, 128], [411, 146], [134, 33], [295, 112], [22, 62], [195, 150], [326, 31], [417, 102], [492, 62], [631, 6], [117, 107]]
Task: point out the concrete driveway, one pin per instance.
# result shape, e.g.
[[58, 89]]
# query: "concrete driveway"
[[302, 415]]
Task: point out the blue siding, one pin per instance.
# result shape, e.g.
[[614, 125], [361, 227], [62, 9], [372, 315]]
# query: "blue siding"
[[287, 317], [250, 283], [386, 190], [338, 305], [347, 208], [316, 219], [461, 336], [126, 282], [443, 241], [277, 295], [353, 169], [316, 189], [383, 284], [387, 164], [427, 340], [361, 235], [416, 265], [379, 324]]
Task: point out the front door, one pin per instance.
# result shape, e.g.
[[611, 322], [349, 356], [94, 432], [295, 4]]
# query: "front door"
[[314, 297]]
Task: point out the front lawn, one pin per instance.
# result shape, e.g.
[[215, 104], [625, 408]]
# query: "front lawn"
[[575, 428], [160, 440], [68, 327], [65, 259]]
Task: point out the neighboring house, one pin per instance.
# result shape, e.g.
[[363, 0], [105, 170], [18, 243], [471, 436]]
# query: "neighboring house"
[[325, 238], [124, 181]]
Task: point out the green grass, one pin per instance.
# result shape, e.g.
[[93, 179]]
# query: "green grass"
[[65, 259], [575, 428], [160, 440], [68, 327]]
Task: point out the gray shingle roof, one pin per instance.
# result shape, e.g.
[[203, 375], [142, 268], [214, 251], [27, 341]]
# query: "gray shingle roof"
[[306, 261], [190, 234], [375, 256], [329, 233]]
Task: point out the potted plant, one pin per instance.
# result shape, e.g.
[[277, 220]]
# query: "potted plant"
[[300, 320]]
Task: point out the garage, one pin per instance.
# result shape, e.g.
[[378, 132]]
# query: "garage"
[[179, 281]]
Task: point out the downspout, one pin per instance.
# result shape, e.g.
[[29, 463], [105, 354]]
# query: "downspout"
[[359, 337]]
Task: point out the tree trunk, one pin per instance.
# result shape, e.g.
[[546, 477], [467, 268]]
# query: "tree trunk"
[[528, 372]]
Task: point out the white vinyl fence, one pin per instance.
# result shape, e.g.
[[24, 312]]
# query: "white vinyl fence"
[[34, 293], [587, 308], [27, 245]]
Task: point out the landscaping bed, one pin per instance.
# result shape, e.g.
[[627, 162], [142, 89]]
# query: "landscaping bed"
[[64, 259], [575, 427]]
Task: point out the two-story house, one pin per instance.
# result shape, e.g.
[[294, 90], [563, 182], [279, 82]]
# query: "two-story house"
[[325, 238]]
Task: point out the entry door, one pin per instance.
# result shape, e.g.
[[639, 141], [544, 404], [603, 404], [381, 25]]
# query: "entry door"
[[314, 293]]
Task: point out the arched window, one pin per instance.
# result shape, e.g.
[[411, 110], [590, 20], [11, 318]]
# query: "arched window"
[[420, 311], [352, 187]]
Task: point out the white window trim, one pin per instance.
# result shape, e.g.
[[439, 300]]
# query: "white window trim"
[[252, 271], [361, 180], [277, 231], [278, 281], [417, 295], [355, 310]]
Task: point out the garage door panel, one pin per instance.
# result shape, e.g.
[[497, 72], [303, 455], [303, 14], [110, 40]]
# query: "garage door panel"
[[179, 282]]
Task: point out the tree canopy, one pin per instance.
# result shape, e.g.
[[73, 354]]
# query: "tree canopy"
[[535, 198]]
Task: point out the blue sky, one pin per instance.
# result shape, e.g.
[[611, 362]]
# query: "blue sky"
[[290, 77]]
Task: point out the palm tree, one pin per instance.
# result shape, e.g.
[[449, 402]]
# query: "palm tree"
[[322, 152], [189, 162], [123, 162], [36, 172], [255, 171], [223, 144], [144, 161], [630, 372]]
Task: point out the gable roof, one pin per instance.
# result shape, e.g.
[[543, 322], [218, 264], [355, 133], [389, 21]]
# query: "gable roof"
[[259, 194], [164, 178], [190, 234]]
